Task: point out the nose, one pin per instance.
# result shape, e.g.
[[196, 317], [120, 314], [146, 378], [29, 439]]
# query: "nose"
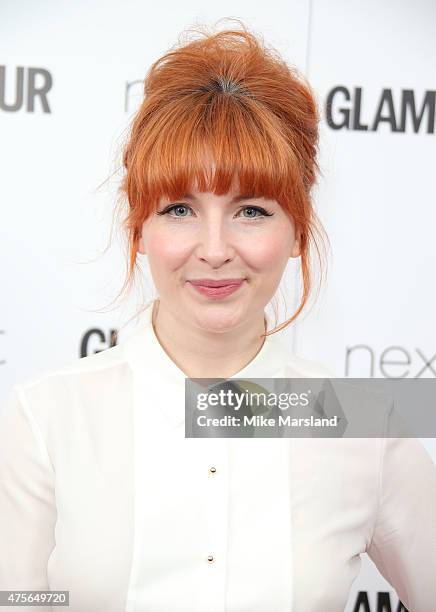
[[214, 243]]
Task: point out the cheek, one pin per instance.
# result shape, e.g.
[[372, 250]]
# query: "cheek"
[[164, 249], [269, 252]]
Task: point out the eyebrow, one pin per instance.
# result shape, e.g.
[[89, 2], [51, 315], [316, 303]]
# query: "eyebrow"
[[234, 200]]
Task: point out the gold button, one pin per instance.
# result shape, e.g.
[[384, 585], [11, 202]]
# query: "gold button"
[[210, 558], [212, 470]]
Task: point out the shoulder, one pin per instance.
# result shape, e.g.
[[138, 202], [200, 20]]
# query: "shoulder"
[[103, 361], [93, 378]]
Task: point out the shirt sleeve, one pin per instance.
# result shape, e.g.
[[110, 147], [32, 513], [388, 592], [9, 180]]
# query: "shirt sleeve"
[[27, 503], [403, 544]]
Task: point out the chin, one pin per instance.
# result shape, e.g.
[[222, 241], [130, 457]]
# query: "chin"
[[216, 322]]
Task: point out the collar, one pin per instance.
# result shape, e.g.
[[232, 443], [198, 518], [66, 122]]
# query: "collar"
[[144, 351], [151, 364]]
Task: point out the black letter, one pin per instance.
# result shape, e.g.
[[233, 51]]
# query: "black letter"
[[362, 600], [357, 99], [408, 100], [344, 112], [386, 97]]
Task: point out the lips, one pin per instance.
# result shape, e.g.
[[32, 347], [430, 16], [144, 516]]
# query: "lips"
[[216, 289], [225, 282]]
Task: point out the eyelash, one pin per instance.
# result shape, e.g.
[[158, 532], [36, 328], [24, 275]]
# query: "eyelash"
[[265, 213]]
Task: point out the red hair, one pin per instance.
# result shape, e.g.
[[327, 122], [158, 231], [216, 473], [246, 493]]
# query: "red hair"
[[227, 98]]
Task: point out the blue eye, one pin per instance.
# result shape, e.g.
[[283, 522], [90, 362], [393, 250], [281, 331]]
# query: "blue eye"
[[175, 207], [184, 207], [256, 209]]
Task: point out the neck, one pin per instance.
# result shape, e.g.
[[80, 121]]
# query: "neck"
[[205, 354]]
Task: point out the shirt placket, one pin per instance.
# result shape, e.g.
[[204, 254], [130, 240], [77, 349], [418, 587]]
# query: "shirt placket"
[[214, 475]]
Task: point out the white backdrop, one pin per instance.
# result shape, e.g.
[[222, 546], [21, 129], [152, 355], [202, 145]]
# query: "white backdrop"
[[70, 80]]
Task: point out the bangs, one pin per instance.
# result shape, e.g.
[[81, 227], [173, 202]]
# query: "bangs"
[[209, 142]]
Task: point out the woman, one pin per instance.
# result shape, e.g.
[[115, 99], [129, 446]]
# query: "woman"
[[101, 494]]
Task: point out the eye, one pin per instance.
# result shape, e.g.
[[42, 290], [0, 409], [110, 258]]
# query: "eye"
[[256, 209], [177, 208]]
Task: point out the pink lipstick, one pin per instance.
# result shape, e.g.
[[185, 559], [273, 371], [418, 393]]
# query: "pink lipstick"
[[216, 288]]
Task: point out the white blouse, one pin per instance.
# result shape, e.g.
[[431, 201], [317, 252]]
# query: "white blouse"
[[102, 495]]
